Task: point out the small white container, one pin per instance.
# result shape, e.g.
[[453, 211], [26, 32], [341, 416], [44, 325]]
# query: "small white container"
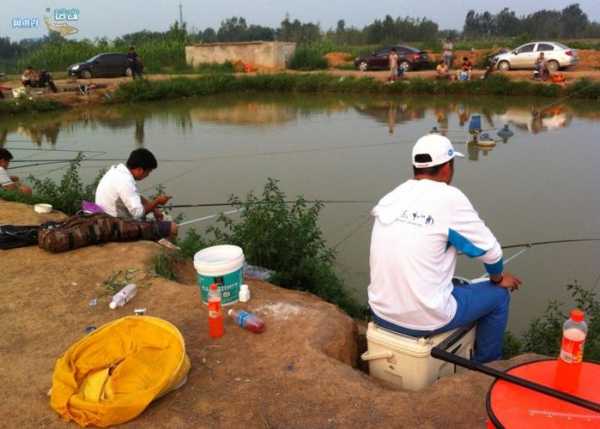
[[123, 296], [406, 361], [244, 293], [42, 208]]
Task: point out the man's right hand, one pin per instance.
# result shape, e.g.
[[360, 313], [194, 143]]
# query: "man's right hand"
[[509, 281], [161, 200]]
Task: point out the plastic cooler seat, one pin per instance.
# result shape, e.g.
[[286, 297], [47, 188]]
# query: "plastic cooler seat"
[[406, 361]]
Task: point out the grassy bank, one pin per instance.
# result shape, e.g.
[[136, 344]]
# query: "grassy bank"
[[24, 105], [325, 83]]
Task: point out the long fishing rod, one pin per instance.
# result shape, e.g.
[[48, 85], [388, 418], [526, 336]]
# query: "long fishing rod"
[[57, 150], [542, 243], [40, 163], [212, 216], [182, 206]]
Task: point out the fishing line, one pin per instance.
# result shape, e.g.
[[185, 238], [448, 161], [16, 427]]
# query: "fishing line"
[[97, 152]]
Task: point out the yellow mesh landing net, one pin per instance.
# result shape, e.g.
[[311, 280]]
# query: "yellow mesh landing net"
[[110, 376]]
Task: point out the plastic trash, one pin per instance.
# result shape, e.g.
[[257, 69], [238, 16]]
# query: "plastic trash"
[[256, 272], [123, 296], [247, 320]]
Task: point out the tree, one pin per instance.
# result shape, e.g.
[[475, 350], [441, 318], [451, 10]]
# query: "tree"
[[573, 21]]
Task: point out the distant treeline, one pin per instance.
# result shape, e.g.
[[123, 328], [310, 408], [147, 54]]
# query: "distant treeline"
[[165, 50]]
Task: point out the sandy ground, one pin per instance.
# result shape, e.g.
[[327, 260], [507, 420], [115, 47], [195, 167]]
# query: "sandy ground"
[[300, 373]]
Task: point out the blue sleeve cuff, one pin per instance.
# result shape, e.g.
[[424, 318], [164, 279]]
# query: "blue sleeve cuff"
[[496, 268]]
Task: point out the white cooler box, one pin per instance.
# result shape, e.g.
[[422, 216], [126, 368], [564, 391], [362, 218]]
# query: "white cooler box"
[[406, 361]]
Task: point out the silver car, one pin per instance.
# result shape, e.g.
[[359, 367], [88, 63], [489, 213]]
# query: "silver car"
[[557, 56]]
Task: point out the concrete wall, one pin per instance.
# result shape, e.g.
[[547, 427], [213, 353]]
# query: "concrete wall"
[[273, 55]]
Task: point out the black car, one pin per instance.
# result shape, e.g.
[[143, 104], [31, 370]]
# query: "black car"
[[409, 58], [102, 65]]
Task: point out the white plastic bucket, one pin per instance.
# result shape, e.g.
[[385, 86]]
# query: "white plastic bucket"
[[221, 265]]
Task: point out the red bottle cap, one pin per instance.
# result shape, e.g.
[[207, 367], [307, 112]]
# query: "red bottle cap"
[[213, 286], [577, 315]]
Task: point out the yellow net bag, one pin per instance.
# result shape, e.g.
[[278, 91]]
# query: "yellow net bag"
[[110, 376]]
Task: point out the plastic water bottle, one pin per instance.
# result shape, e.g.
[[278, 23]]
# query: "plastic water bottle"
[[215, 313], [123, 296], [247, 320], [574, 333]]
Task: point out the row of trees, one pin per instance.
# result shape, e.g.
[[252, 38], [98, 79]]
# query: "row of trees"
[[569, 23]]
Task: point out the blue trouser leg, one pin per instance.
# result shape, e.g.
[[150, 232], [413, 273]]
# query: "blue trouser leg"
[[488, 305], [484, 303]]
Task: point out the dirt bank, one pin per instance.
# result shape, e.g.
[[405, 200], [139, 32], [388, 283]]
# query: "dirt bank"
[[71, 97], [298, 374]]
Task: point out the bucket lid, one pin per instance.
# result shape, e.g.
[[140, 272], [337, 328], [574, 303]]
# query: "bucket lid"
[[219, 260], [513, 406]]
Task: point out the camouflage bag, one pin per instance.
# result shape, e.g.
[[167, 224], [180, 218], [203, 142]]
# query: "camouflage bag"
[[84, 230]]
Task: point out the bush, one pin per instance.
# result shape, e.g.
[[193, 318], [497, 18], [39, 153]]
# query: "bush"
[[543, 336], [65, 196], [282, 237], [306, 58]]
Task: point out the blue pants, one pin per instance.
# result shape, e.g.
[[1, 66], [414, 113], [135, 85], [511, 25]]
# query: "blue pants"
[[484, 303]]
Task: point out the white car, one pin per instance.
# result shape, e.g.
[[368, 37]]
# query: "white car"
[[557, 56]]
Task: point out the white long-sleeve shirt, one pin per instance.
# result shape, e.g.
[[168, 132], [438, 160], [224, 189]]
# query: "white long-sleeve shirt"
[[4, 178], [118, 195], [418, 229]]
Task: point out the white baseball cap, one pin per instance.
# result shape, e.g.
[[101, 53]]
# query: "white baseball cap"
[[438, 147]]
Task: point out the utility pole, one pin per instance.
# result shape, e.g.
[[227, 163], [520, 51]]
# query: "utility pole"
[[180, 15]]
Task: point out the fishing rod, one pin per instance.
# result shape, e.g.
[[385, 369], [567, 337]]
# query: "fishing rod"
[[212, 216], [57, 150], [542, 243], [182, 206], [40, 163]]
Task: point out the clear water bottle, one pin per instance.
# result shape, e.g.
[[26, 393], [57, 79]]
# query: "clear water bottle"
[[574, 333], [215, 313], [123, 296], [247, 320]]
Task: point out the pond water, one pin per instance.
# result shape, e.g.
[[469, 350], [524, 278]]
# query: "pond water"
[[542, 184]]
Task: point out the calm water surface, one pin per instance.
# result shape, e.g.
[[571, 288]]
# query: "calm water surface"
[[542, 184]]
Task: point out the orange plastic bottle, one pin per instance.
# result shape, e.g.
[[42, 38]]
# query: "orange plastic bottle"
[[215, 313]]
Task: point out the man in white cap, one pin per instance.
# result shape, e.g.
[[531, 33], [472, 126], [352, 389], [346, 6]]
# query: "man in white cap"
[[419, 229]]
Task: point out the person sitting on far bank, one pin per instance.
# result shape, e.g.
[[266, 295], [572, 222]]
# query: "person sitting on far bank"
[[29, 77], [541, 68], [10, 183], [465, 69], [118, 195], [419, 229], [442, 71]]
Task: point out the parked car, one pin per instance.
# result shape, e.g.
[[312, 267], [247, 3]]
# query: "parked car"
[[557, 56], [102, 65], [409, 58]]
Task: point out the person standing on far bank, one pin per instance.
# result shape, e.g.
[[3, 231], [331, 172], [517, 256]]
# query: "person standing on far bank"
[[135, 63], [418, 231], [447, 52]]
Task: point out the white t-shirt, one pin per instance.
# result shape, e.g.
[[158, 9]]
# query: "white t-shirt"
[[118, 195], [419, 227], [4, 177]]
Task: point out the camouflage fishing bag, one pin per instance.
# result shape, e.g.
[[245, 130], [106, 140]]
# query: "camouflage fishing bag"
[[84, 230]]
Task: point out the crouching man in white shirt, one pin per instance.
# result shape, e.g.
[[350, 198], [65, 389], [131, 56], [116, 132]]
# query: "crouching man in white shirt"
[[418, 230], [10, 183], [118, 195]]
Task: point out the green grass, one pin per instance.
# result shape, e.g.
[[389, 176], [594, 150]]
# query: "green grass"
[[326, 83], [25, 105], [306, 58]]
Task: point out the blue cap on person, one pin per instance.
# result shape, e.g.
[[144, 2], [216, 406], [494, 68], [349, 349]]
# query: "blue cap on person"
[[432, 150]]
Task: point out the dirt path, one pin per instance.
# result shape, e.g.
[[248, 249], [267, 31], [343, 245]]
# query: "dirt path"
[[298, 374]]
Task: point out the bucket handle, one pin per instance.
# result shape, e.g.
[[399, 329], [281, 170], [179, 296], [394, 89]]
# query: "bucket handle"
[[366, 356]]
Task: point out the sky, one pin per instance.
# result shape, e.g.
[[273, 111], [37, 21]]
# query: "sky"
[[112, 18]]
